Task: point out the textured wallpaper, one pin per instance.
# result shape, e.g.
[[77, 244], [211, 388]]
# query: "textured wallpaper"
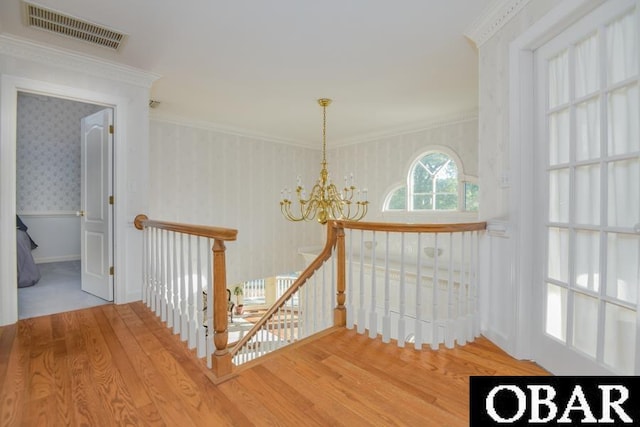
[[208, 177], [48, 153], [202, 176]]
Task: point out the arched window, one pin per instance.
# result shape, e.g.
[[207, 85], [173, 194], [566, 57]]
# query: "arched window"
[[435, 182]]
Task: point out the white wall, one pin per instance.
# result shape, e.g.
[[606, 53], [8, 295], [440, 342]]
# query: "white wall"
[[26, 66], [203, 176], [57, 235]]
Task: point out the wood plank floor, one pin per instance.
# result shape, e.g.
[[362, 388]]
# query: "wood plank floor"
[[118, 365]]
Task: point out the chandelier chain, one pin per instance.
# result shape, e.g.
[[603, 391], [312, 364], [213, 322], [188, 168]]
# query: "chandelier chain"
[[324, 133]]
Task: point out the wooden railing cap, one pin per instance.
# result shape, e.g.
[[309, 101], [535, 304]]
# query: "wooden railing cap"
[[411, 228], [218, 233]]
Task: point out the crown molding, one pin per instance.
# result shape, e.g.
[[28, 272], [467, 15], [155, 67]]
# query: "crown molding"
[[495, 16], [407, 129], [389, 133], [217, 127], [73, 61]]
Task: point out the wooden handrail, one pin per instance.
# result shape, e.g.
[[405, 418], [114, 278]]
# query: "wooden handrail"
[[306, 274], [219, 233], [412, 228]]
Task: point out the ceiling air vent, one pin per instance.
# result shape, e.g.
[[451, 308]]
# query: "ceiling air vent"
[[56, 22]]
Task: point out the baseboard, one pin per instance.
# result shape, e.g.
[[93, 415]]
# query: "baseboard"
[[57, 259]]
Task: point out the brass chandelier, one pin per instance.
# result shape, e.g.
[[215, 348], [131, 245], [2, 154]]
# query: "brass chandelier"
[[325, 201]]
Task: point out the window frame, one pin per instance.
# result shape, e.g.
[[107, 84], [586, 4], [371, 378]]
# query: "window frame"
[[462, 180]]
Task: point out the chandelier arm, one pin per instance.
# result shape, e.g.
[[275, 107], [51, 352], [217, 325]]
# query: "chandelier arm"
[[285, 207]]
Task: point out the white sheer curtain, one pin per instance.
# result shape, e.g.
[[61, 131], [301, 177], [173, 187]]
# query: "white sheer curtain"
[[589, 169]]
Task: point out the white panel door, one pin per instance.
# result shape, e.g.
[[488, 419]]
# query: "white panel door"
[[588, 177], [96, 220]]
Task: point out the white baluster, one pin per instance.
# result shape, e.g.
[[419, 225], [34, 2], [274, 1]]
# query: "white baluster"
[[185, 291], [361, 325], [145, 266], [176, 284], [418, 333], [191, 294], [450, 321], [435, 339], [401, 321], [169, 276], [350, 284], [373, 314], [386, 318], [157, 275]]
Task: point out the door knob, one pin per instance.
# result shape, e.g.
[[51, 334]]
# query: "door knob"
[[79, 213]]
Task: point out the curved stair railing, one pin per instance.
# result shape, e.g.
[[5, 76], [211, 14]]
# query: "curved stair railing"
[[303, 310]]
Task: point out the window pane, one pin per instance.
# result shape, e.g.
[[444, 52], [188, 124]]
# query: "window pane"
[[559, 79], [422, 202], [622, 49], [559, 195], [624, 133], [588, 130], [587, 194], [447, 185], [623, 275], [559, 137], [448, 171], [620, 338], [556, 321], [422, 180], [447, 201], [470, 197], [587, 260], [434, 161], [586, 66], [434, 183], [398, 200], [624, 197], [558, 257], [585, 323]]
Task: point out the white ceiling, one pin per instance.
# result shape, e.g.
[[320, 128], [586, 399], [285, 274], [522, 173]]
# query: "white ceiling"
[[259, 66]]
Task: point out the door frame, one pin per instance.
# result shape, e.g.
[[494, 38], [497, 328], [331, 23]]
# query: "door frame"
[[521, 179], [9, 88]]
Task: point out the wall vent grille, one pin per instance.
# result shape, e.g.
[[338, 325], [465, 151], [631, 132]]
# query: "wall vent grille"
[[55, 22]]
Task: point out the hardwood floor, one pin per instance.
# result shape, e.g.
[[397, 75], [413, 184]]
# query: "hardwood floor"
[[119, 365]]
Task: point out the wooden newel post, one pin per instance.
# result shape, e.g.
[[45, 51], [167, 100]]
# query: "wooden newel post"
[[220, 359], [340, 312]]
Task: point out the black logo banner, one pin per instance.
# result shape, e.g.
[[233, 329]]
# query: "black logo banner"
[[564, 400]]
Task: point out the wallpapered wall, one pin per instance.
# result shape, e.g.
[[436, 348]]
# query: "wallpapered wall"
[[500, 306], [207, 177], [48, 153], [202, 176], [378, 165]]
